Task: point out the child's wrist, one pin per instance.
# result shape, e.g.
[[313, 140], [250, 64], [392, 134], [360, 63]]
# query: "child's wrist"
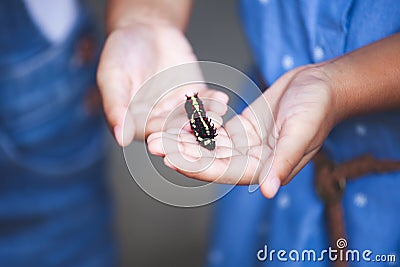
[[337, 82]]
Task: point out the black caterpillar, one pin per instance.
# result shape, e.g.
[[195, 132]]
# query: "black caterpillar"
[[201, 126]]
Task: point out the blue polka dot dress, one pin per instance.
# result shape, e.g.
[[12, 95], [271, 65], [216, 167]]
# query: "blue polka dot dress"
[[284, 34]]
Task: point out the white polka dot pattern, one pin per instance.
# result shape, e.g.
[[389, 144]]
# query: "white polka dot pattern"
[[361, 130], [283, 201], [287, 62], [318, 53], [360, 200]]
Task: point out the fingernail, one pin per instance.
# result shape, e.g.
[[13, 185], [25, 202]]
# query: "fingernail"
[[274, 185], [270, 187], [151, 137], [118, 134]]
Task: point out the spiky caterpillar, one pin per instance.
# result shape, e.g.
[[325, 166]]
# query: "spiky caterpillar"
[[201, 125]]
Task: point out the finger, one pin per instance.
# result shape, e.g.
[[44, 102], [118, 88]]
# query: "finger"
[[300, 165], [216, 95], [189, 137], [173, 121], [173, 135], [216, 101], [290, 149], [264, 154], [115, 93], [238, 169], [155, 145], [162, 144], [158, 124], [241, 132], [125, 135]]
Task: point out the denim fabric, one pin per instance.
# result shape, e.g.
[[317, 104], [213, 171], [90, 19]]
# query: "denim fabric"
[[55, 208], [284, 34], [19, 37]]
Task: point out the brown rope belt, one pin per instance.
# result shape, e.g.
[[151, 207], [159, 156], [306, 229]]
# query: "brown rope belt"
[[330, 183]]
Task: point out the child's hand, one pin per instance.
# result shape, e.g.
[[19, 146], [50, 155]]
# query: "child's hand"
[[301, 103], [131, 55]]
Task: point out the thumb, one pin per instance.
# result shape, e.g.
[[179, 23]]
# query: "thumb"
[[115, 92], [290, 149]]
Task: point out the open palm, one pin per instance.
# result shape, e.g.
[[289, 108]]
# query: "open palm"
[[131, 56], [259, 146]]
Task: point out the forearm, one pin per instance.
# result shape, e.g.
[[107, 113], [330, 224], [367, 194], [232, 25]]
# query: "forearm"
[[121, 13], [366, 80]]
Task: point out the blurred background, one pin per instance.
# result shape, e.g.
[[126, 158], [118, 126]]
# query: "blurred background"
[[152, 233]]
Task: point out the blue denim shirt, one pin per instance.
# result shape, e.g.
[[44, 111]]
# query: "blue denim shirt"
[[285, 34], [54, 204], [19, 36]]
